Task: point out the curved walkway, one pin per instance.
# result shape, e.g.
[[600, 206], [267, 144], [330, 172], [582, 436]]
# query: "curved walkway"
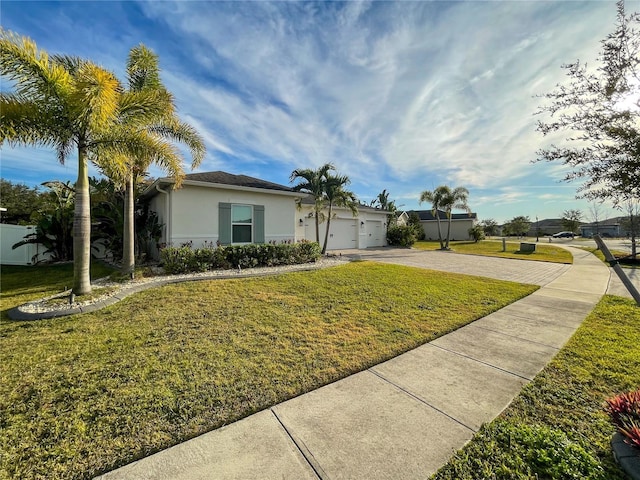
[[404, 418]]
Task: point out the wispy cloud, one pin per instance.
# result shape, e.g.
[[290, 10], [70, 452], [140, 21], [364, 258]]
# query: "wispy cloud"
[[399, 95]]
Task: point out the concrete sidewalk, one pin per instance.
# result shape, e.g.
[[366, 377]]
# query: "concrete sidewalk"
[[401, 419]]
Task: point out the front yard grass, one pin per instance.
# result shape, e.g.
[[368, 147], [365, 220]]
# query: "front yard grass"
[[84, 394], [493, 248], [601, 360]]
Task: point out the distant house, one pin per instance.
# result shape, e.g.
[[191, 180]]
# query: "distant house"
[[228, 209], [547, 226], [460, 224], [606, 228]]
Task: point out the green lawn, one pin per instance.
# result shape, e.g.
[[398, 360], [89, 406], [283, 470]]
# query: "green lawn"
[[601, 360], [493, 248], [84, 394]]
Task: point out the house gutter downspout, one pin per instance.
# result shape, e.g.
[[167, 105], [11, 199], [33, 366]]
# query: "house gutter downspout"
[[167, 214]]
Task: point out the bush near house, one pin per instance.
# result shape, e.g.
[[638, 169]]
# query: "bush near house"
[[185, 259], [402, 235]]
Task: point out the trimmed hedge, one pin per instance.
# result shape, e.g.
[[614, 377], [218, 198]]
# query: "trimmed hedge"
[[185, 259]]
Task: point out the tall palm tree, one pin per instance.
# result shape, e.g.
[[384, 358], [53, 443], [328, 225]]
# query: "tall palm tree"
[[59, 103], [313, 182], [159, 128], [458, 200], [439, 199], [336, 195]]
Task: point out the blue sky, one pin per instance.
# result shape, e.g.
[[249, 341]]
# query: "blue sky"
[[402, 96]]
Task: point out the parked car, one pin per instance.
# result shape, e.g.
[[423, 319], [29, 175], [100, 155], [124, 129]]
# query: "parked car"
[[564, 235]]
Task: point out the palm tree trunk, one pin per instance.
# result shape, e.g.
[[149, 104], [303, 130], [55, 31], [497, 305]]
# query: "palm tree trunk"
[[326, 233], [128, 242], [439, 231], [82, 228], [317, 214], [449, 215]]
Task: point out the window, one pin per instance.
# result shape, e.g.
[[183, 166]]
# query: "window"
[[241, 223]]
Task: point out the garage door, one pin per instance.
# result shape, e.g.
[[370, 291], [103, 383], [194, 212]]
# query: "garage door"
[[374, 233], [342, 234]]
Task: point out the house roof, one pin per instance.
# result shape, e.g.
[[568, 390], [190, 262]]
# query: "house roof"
[[223, 179], [361, 207], [426, 215]]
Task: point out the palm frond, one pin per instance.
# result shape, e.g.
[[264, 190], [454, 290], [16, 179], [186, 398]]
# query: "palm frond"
[[33, 75], [96, 97], [143, 71]]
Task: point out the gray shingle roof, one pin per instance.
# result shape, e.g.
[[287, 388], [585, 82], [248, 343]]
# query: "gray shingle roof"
[[225, 178], [428, 215]]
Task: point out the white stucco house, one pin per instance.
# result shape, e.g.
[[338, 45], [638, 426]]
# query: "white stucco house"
[[220, 207], [460, 224]]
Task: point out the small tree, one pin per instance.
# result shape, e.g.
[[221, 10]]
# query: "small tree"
[[600, 111], [595, 215], [476, 233], [517, 226], [571, 220], [631, 224], [489, 227]]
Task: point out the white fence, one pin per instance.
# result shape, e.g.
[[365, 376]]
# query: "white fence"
[[24, 255]]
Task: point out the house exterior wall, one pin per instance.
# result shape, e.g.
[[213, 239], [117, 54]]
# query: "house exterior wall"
[[191, 214], [367, 229], [459, 229]]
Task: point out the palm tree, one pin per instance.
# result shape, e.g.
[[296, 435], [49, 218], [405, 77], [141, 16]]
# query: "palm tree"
[[61, 103], [382, 200], [158, 128], [439, 199], [336, 195], [458, 200], [313, 182]]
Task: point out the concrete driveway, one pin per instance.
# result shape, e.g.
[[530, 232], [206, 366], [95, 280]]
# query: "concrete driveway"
[[514, 270]]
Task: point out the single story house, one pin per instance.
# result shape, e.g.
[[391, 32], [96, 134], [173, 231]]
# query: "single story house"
[[611, 227], [220, 207], [460, 224], [547, 226]]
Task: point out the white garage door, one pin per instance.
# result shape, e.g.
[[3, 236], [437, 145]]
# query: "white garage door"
[[374, 233], [342, 234]]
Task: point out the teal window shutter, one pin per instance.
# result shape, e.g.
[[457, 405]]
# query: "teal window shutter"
[[258, 223], [224, 223]]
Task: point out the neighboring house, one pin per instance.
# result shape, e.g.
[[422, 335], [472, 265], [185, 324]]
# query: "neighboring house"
[[219, 207], [367, 229], [606, 228], [460, 224], [548, 226], [223, 208]]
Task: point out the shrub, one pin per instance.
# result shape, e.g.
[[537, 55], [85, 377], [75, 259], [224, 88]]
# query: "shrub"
[[402, 235], [185, 259], [506, 450], [476, 233], [624, 412]]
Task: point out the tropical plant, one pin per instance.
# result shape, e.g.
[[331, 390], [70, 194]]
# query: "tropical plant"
[[65, 102], [458, 201], [402, 235], [335, 195], [382, 201], [54, 226], [157, 128], [313, 182], [476, 233], [438, 198], [446, 199]]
